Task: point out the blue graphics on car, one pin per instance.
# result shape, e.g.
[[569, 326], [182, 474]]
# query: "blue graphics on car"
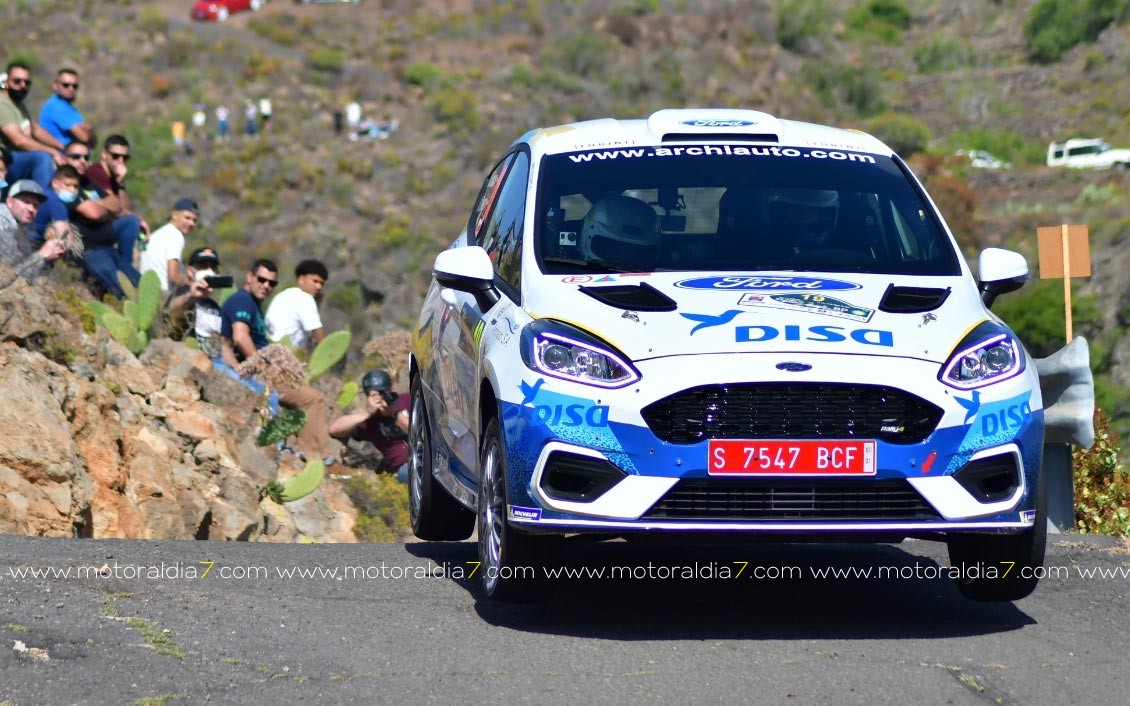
[[719, 321]]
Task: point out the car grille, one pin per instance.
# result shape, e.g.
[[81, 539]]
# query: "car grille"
[[789, 499], [792, 411]]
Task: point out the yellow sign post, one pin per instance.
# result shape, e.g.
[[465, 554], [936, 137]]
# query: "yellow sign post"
[[1065, 251]]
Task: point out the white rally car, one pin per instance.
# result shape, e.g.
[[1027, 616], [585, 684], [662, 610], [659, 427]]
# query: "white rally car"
[[718, 321]]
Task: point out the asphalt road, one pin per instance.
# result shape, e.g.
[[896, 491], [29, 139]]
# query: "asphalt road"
[[413, 631]]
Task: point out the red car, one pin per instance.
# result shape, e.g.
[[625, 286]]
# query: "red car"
[[221, 9]]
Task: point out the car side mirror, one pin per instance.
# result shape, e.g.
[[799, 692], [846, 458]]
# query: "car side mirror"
[[470, 270], [1000, 271]]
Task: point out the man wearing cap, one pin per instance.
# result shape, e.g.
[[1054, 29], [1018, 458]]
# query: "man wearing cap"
[[165, 247], [16, 213], [190, 311], [383, 422]]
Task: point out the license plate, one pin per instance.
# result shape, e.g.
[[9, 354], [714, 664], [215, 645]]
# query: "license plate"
[[770, 457]]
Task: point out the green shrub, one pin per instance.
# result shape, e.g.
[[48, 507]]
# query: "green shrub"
[[904, 134], [1055, 26], [457, 108], [940, 53], [882, 19], [151, 21], [1003, 144], [799, 21], [382, 508], [327, 59], [585, 54], [279, 28], [1102, 487], [426, 74]]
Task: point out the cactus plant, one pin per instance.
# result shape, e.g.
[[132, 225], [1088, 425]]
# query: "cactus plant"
[[131, 327], [348, 394], [278, 428], [332, 349], [298, 487]]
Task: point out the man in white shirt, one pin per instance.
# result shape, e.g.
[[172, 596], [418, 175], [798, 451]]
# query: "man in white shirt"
[[164, 249], [293, 313]]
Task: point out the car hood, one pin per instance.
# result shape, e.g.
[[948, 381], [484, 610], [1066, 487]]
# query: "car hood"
[[662, 314]]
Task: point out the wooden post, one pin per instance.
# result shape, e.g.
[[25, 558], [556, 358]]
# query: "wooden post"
[[1065, 251], [1066, 280]]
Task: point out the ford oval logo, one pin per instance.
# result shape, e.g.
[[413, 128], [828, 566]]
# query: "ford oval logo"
[[719, 123], [793, 367], [787, 283]]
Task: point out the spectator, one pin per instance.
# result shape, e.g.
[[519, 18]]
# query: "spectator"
[[16, 214], [199, 120], [339, 121], [250, 112], [245, 352], [35, 152], [265, 113], [383, 422], [178, 131], [64, 190], [221, 122], [165, 247], [5, 163], [108, 243], [190, 311], [60, 117], [353, 116], [109, 177], [293, 312]]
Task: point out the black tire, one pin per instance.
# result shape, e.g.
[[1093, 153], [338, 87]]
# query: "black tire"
[[512, 562], [435, 515], [1016, 558]]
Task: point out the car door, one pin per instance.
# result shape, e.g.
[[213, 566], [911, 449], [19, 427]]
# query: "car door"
[[458, 335]]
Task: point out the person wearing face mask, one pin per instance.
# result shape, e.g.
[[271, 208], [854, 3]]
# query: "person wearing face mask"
[[103, 256], [35, 151], [63, 191]]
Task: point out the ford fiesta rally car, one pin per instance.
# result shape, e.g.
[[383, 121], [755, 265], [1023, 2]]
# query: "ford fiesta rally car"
[[718, 321]]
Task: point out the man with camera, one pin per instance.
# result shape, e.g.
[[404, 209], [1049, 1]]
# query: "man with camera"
[[189, 309], [383, 422]]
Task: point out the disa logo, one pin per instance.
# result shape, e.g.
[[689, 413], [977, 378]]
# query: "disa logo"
[[719, 123]]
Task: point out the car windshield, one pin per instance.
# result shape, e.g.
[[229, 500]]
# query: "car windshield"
[[735, 207]]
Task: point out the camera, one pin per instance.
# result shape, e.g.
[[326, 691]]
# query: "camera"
[[218, 281]]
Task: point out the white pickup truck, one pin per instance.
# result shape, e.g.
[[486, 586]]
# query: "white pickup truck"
[[1087, 154]]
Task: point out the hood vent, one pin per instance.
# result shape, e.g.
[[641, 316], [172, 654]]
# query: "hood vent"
[[641, 297], [912, 300]]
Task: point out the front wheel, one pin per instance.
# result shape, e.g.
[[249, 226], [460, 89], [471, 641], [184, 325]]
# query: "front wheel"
[[435, 515], [512, 563], [1003, 567]]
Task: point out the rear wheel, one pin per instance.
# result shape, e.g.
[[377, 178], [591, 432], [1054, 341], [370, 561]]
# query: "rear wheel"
[[1006, 566], [435, 515], [512, 563]]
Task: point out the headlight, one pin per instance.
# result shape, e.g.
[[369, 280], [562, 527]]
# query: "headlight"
[[989, 361], [565, 352]]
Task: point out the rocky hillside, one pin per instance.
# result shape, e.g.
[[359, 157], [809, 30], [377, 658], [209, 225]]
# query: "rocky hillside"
[[463, 78], [100, 443]]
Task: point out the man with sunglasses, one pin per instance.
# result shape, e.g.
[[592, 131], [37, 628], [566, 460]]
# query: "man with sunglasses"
[[35, 152], [60, 117], [243, 331], [108, 179]]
